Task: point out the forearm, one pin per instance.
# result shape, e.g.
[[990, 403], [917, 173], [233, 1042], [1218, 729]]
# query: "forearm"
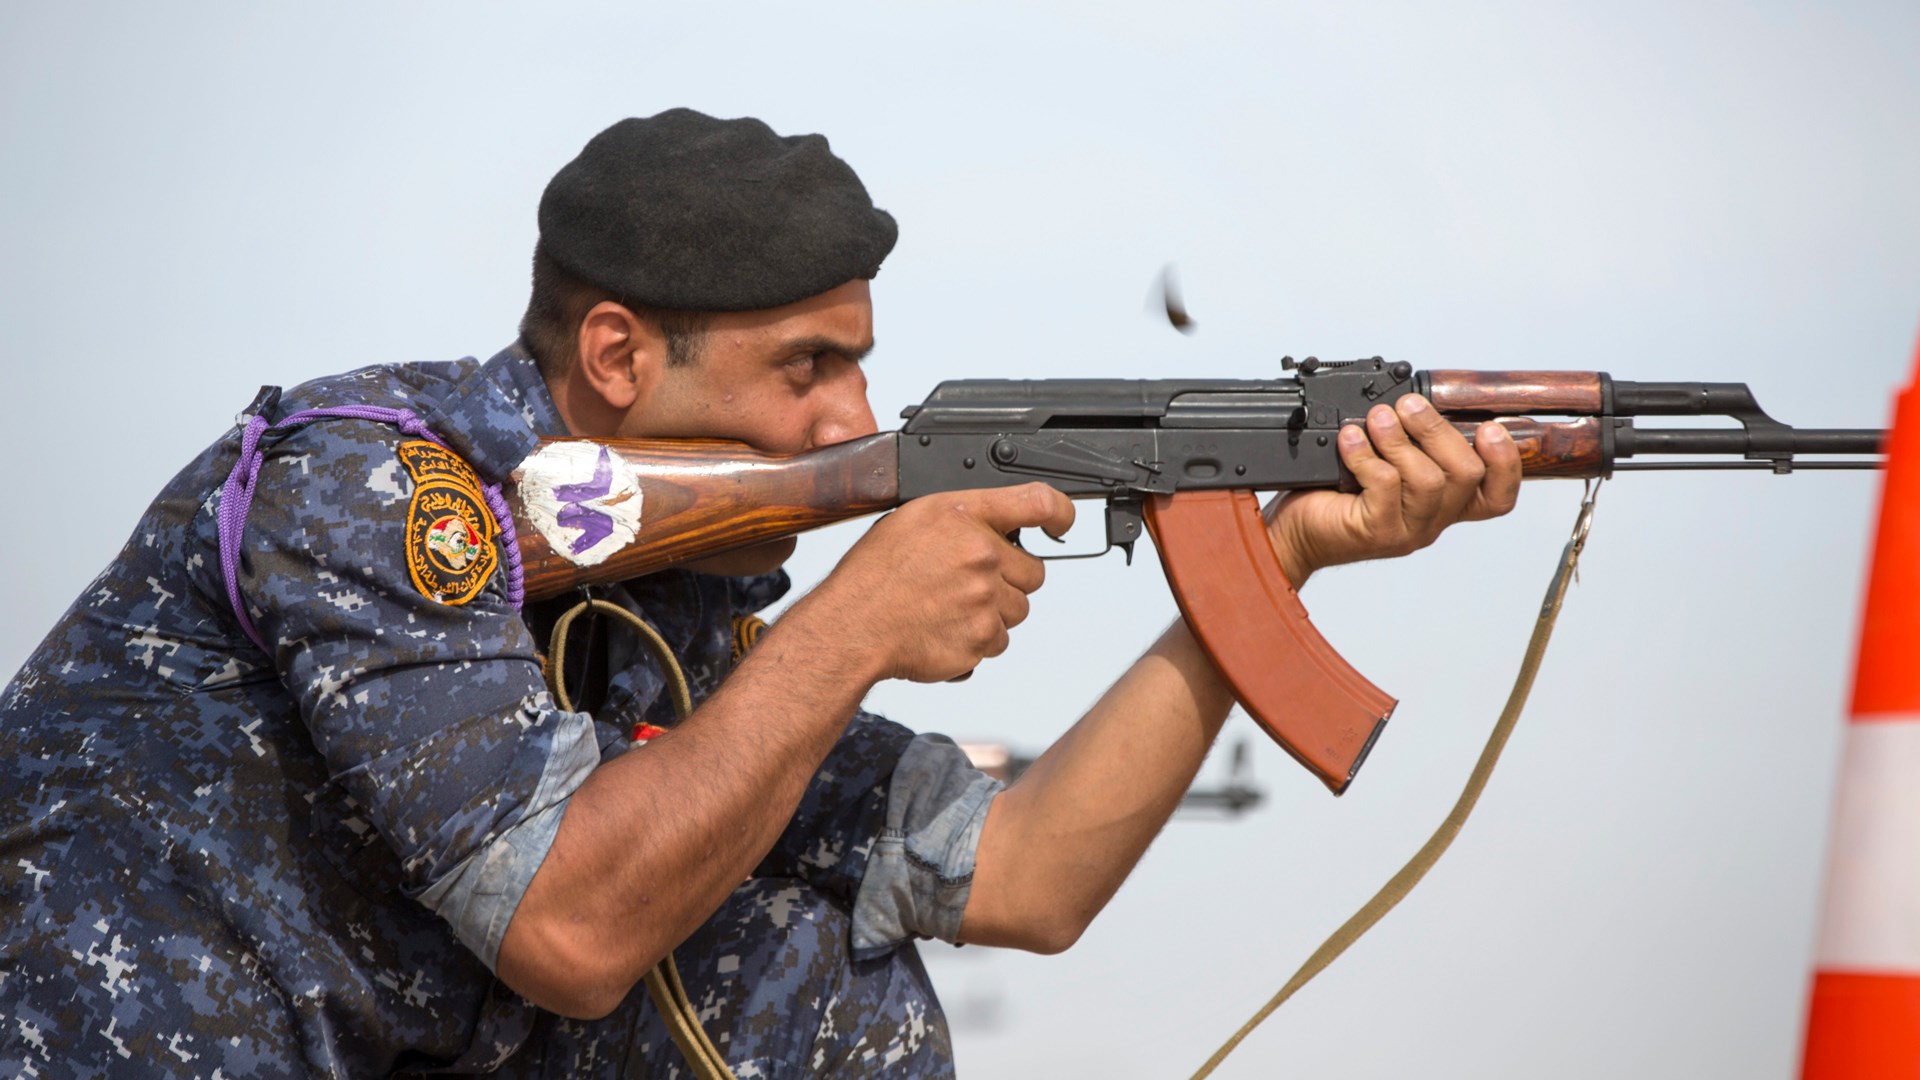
[[653, 841], [1058, 843]]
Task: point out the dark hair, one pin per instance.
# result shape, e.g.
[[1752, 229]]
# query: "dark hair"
[[561, 300]]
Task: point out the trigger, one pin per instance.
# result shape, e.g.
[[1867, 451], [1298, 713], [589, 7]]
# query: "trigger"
[[1124, 524]]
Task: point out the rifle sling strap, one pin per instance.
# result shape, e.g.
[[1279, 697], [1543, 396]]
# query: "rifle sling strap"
[[662, 980], [1416, 868]]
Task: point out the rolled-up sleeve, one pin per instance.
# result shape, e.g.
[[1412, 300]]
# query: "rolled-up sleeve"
[[479, 895], [920, 872], [432, 719]]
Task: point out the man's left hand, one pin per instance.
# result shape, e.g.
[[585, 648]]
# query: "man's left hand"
[[1417, 476]]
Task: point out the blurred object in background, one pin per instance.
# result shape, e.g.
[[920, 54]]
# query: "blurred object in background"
[[1235, 796]]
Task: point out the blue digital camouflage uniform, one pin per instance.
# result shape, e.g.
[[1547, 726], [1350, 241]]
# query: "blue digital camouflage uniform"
[[216, 863]]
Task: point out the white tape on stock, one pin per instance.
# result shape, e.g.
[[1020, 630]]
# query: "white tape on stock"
[[584, 500]]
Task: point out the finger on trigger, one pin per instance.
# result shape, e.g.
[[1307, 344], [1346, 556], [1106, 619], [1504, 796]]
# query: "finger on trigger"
[[1063, 512], [1034, 505]]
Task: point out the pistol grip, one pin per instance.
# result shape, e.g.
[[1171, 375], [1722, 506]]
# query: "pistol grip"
[[1246, 615]]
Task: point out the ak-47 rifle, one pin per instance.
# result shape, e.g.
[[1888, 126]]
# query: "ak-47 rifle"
[[1179, 458]]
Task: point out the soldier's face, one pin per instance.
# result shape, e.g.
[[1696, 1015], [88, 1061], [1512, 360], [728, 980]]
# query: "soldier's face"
[[782, 380]]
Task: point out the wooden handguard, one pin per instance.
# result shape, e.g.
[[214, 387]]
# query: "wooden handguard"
[[1246, 615], [1558, 448], [1516, 393]]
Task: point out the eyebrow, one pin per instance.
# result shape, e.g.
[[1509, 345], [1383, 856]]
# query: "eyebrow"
[[822, 343]]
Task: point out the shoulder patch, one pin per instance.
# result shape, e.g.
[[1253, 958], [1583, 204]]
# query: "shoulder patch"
[[451, 551]]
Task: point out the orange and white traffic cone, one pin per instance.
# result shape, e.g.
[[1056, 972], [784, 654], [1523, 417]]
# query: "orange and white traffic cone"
[[1864, 1020]]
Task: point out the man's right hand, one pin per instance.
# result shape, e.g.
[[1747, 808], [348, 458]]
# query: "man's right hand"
[[933, 587]]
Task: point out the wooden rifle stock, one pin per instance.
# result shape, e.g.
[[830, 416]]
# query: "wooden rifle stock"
[[706, 496]]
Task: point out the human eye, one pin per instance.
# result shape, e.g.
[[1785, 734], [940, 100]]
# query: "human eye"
[[800, 366]]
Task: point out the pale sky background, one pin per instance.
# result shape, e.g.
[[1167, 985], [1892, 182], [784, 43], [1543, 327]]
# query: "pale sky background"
[[203, 199]]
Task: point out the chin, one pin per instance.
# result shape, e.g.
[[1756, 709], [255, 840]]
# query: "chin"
[[747, 561]]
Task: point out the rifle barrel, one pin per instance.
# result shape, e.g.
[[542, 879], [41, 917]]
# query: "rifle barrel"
[[1700, 466], [1630, 441]]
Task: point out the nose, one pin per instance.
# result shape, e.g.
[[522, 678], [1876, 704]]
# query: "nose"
[[844, 411]]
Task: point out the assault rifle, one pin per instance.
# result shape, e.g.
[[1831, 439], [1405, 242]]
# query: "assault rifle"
[[1178, 458]]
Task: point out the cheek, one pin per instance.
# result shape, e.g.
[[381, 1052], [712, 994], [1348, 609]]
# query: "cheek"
[[776, 421]]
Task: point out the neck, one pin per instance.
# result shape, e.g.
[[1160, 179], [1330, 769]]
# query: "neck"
[[584, 412]]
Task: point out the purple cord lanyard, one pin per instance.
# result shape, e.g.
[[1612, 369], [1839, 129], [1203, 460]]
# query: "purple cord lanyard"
[[236, 497]]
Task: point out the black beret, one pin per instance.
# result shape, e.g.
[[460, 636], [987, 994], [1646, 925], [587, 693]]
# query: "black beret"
[[681, 210]]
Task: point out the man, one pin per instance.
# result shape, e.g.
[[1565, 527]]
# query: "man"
[[285, 792]]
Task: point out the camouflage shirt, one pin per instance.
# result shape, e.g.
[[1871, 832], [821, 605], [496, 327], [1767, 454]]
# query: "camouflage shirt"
[[216, 862]]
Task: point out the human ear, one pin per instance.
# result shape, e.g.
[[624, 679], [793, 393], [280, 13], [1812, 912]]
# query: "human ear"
[[621, 355]]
